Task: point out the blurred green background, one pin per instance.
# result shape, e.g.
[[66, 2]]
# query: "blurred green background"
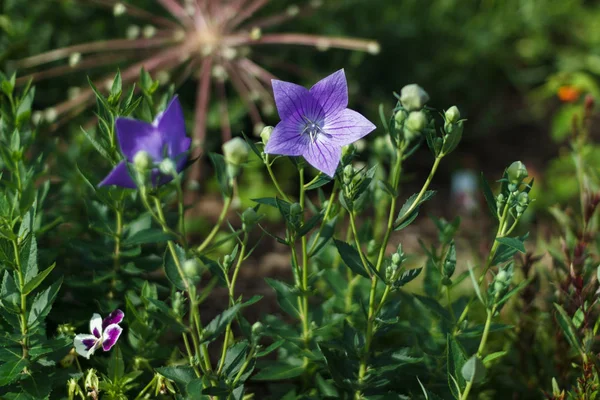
[[502, 62]]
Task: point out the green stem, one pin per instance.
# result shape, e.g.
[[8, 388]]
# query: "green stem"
[[146, 388], [357, 243], [304, 282], [181, 212], [117, 250], [231, 284], [484, 337], [325, 220], [501, 232], [23, 311], [316, 178], [274, 179], [201, 350], [217, 226], [243, 368]]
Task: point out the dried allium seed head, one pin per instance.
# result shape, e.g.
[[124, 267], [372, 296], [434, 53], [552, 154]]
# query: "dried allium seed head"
[[255, 33], [373, 48], [219, 72], [293, 10], [119, 9], [323, 44], [229, 53], [132, 32], [149, 31], [74, 59]]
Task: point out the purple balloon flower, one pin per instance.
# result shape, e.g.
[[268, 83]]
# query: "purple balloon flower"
[[105, 333], [316, 123], [163, 138]]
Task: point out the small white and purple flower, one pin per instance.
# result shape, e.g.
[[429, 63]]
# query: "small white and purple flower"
[[105, 333], [164, 138], [316, 123]]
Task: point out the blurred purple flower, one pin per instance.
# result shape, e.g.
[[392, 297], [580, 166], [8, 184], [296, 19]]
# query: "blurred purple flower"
[[163, 138], [105, 333], [316, 123]]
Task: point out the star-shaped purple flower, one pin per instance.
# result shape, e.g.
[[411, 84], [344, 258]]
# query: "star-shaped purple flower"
[[105, 333], [163, 138], [315, 123]]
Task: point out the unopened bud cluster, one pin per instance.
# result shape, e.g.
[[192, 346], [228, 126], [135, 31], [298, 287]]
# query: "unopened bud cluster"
[[410, 120], [397, 258], [501, 283], [518, 191]]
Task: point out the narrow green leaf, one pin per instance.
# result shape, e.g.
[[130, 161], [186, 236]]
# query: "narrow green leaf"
[[489, 197], [476, 285], [286, 297], [39, 278], [456, 359], [171, 269], [568, 328], [219, 323], [11, 370], [512, 242], [116, 365], [180, 375], [42, 304], [351, 258], [491, 357], [278, 371], [99, 147], [146, 236]]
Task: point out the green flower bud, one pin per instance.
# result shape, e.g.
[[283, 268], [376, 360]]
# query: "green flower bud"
[[516, 172], [390, 271], [142, 161], [249, 217], [265, 134], [168, 167], [382, 144], [413, 97], [523, 199], [416, 121], [66, 329], [74, 389], [400, 117], [502, 276], [190, 268], [91, 380], [178, 301], [258, 328], [295, 209], [227, 261], [235, 151], [348, 174], [371, 247], [452, 115], [396, 259]]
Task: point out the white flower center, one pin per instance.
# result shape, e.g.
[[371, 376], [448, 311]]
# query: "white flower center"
[[312, 129]]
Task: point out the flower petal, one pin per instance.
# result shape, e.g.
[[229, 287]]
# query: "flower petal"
[[96, 325], [110, 336], [157, 178], [287, 139], [346, 127], [119, 176], [137, 135], [332, 92], [323, 156], [171, 126], [294, 102], [114, 317], [85, 345]]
